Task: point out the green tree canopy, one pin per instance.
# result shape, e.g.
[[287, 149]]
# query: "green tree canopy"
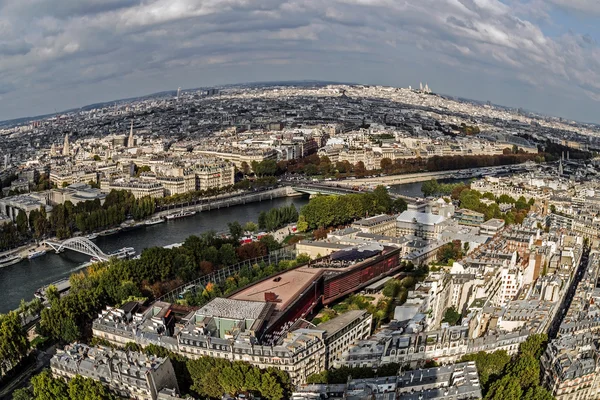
[[452, 316]]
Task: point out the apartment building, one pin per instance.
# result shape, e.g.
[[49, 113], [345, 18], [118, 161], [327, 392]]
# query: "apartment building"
[[138, 188], [128, 374]]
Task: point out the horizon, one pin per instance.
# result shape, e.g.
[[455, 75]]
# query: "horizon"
[[267, 84]]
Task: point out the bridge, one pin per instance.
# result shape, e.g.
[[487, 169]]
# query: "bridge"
[[80, 245], [314, 189]]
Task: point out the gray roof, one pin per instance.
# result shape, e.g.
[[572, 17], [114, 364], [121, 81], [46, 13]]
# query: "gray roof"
[[234, 309], [421, 218], [333, 325]]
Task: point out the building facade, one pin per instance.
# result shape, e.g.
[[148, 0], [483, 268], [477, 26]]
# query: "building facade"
[[128, 374]]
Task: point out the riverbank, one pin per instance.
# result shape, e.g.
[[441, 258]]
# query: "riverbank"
[[422, 176]]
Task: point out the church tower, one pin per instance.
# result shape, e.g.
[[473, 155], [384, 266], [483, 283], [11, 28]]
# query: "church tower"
[[66, 150], [130, 140]]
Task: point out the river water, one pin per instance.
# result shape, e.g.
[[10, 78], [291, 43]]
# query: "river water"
[[21, 280]]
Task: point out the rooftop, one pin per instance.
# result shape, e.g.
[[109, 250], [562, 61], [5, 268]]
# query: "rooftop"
[[233, 309], [421, 218], [286, 287], [377, 219], [334, 325]]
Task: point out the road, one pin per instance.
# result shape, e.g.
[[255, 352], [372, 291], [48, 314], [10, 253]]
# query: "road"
[[22, 380]]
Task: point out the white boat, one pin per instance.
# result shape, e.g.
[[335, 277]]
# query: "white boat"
[[10, 259], [154, 221], [92, 236], [125, 252], [35, 254], [181, 214], [110, 232]]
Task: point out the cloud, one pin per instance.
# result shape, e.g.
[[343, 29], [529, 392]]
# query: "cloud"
[[580, 6], [74, 46]]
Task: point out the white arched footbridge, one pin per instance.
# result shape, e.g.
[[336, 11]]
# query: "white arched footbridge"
[[80, 245]]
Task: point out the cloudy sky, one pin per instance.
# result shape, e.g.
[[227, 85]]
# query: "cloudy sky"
[[539, 54]]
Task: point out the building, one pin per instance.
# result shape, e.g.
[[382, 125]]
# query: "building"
[[138, 188], [127, 374], [263, 323], [10, 206], [76, 193], [469, 217], [214, 175], [344, 330], [423, 225], [20, 185], [317, 249], [451, 382], [177, 184], [492, 226], [61, 177], [570, 367], [230, 329], [380, 224]]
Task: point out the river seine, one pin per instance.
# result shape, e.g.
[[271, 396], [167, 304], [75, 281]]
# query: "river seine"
[[21, 280]]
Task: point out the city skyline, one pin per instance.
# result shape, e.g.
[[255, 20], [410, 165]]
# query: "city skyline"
[[537, 55]]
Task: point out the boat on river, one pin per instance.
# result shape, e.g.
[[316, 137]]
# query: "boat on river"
[[154, 221], [181, 214], [35, 254], [10, 259]]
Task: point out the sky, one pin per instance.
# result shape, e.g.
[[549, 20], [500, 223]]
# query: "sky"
[[541, 55]]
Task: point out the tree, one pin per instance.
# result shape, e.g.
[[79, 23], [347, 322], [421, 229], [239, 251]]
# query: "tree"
[[253, 379], [235, 230], [270, 242], [52, 294], [302, 225], [359, 169], [507, 388], [382, 198], [250, 226], [526, 368], [69, 331], [319, 378], [302, 258], [22, 394], [449, 251], [270, 388], [245, 168], [452, 316], [392, 288], [88, 389], [386, 164], [22, 222], [534, 345], [537, 393], [13, 341], [232, 379], [489, 365], [47, 388], [399, 205], [429, 188], [227, 254]]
